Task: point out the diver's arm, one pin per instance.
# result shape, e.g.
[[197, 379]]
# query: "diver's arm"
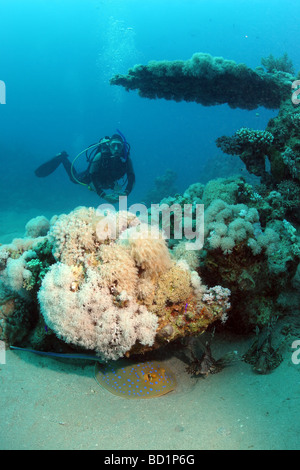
[[130, 177], [94, 165], [100, 193], [93, 168]]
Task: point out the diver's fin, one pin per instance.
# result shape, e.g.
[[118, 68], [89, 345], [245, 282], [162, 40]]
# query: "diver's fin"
[[49, 167]]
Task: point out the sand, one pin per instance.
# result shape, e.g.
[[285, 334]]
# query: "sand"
[[50, 404]]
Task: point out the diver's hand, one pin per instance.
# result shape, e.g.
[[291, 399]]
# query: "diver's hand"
[[111, 198]]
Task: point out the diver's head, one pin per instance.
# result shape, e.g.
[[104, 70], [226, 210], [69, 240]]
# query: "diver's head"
[[116, 145]]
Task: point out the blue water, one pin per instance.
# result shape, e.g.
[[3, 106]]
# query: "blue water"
[[56, 60]]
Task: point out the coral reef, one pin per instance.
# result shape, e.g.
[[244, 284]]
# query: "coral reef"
[[118, 289], [252, 146], [277, 147], [251, 247], [164, 186], [255, 262], [104, 282], [210, 81]]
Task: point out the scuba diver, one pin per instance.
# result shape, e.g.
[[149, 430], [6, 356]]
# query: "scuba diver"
[[109, 173]]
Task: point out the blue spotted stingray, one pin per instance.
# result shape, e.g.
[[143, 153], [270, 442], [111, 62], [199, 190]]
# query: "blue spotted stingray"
[[135, 380]]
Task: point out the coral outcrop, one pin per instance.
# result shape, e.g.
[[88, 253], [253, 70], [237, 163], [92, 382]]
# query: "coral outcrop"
[[102, 282]]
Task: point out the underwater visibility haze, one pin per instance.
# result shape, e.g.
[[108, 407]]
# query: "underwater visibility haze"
[[150, 215]]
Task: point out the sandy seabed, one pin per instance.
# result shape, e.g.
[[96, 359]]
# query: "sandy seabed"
[[52, 404]]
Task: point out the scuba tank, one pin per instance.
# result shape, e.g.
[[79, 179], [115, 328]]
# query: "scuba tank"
[[126, 149]]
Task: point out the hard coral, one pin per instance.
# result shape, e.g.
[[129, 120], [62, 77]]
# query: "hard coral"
[[37, 227]]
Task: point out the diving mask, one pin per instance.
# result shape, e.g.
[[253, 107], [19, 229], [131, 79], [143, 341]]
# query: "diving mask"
[[116, 147]]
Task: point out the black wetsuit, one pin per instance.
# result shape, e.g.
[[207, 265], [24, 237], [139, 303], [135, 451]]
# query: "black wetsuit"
[[103, 173]]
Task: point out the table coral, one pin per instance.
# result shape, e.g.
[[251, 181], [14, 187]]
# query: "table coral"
[[207, 80]]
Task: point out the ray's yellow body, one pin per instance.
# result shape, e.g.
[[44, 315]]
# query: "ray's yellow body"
[[136, 380]]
